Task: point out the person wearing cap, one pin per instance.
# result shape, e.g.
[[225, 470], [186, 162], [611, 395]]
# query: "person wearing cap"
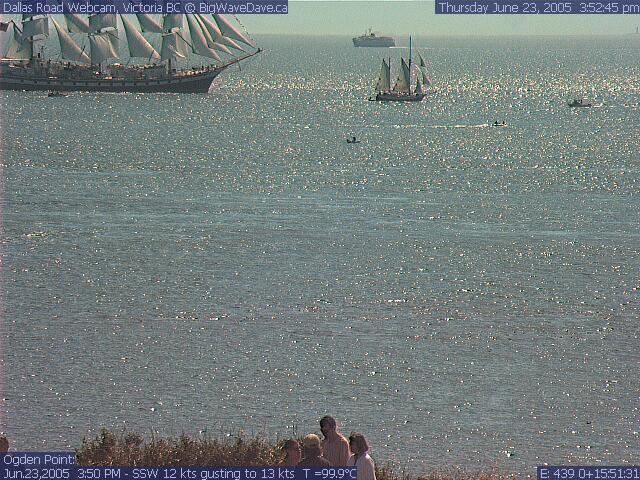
[[360, 458], [292, 454], [312, 452], [335, 447]]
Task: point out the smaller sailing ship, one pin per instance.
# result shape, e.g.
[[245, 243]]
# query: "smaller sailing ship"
[[401, 91]]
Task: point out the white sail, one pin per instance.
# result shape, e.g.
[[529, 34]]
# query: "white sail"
[[384, 80], [230, 43], [21, 47], [172, 46], [230, 31], [68, 48], [402, 84], [418, 87], [103, 20], [103, 47], [422, 71], [148, 23], [76, 23], [35, 26], [138, 45], [426, 81], [203, 29], [219, 41], [198, 40], [172, 21]]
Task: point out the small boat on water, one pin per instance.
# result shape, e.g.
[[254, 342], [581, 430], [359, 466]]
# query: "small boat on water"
[[499, 124], [401, 91], [577, 103], [56, 93]]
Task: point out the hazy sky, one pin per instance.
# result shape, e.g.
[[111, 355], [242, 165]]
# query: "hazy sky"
[[418, 18], [403, 18]]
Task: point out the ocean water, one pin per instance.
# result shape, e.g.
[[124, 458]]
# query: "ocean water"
[[208, 264]]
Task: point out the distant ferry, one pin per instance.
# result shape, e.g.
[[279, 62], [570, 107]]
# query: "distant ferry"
[[370, 39]]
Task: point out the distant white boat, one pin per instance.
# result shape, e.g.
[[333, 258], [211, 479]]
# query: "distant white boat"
[[370, 39]]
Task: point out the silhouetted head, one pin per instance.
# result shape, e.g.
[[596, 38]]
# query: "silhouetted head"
[[328, 424], [292, 452], [358, 443]]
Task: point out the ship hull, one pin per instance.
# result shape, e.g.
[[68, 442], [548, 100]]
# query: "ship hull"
[[394, 97], [383, 42], [196, 83]]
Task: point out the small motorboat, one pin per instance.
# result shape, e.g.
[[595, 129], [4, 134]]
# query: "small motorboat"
[[353, 140], [577, 103], [499, 124], [56, 93]]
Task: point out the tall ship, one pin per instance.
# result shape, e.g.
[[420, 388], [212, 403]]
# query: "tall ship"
[[401, 91], [370, 39], [193, 50]]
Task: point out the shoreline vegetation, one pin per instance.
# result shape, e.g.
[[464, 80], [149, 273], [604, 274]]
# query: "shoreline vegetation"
[[131, 449]]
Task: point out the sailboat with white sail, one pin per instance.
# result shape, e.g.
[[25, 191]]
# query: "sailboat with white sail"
[[89, 45], [401, 91]]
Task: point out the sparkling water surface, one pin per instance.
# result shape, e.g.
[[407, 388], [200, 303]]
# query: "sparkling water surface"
[[462, 294]]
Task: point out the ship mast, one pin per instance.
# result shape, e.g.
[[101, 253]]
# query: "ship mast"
[[409, 63]]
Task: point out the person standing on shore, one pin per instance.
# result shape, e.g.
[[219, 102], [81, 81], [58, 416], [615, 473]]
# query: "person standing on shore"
[[292, 454], [335, 447], [312, 453], [360, 458]]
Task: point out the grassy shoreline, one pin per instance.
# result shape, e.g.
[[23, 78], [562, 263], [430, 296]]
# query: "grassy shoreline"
[[131, 449]]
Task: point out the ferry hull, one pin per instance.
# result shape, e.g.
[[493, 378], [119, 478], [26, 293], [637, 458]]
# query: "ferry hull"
[[196, 83], [383, 42]]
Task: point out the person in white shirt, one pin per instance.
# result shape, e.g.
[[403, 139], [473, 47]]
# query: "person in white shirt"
[[360, 458]]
